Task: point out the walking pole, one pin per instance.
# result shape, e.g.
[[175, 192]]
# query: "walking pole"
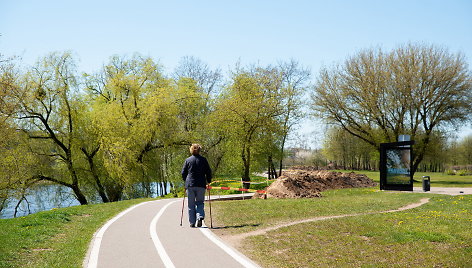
[[183, 203], [209, 202]]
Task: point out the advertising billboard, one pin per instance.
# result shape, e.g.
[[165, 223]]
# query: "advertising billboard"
[[395, 166]]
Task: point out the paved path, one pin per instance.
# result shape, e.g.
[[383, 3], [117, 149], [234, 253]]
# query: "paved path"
[[149, 235], [445, 190]]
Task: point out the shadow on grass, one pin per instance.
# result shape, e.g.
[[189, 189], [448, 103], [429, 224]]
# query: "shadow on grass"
[[236, 226]]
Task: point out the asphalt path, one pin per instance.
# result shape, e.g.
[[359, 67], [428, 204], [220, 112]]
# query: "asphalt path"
[[445, 190], [149, 235]]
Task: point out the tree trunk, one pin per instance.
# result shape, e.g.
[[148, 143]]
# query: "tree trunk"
[[75, 183], [282, 155], [164, 188], [93, 170], [79, 195], [246, 157]]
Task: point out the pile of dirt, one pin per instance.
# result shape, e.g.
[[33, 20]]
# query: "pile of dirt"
[[310, 183]]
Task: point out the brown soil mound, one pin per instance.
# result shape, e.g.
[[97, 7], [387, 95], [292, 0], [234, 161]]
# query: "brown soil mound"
[[310, 183]]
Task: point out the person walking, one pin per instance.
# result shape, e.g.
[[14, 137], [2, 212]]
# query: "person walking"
[[196, 173]]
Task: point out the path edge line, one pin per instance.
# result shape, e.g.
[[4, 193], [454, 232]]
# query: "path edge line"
[[157, 243], [238, 256], [91, 259]]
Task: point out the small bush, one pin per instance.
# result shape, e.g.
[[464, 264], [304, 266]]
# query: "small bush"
[[463, 172], [450, 172]]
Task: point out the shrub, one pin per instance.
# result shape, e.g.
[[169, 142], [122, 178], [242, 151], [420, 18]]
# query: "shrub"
[[450, 172]]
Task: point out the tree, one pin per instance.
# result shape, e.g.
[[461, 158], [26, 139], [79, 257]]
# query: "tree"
[[294, 83], [247, 111], [437, 155], [45, 112], [204, 84], [347, 151], [465, 150], [206, 79], [413, 89], [137, 112]]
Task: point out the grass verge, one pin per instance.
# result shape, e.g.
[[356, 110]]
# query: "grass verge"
[[436, 234], [55, 238]]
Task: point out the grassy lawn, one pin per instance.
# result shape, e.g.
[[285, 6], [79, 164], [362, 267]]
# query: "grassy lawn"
[[240, 217], [438, 179], [55, 238], [436, 234]]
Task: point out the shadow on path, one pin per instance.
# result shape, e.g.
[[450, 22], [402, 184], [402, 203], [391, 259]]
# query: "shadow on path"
[[236, 226]]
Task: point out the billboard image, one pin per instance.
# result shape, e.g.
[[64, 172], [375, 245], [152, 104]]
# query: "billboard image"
[[398, 166]]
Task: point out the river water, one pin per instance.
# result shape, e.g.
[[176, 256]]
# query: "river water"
[[49, 196], [40, 198]]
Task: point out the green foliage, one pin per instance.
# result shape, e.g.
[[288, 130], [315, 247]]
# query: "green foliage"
[[450, 172], [255, 112], [127, 126], [345, 150]]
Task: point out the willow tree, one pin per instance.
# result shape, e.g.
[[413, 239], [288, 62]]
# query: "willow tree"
[[137, 112], [46, 96], [413, 89]]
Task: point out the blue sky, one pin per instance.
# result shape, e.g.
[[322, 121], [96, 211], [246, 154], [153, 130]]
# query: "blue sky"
[[221, 33]]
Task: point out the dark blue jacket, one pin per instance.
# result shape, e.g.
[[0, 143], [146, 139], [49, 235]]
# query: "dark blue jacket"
[[196, 171]]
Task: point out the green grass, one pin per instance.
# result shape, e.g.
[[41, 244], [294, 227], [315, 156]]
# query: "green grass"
[[438, 179], [239, 217], [55, 238], [436, 234]]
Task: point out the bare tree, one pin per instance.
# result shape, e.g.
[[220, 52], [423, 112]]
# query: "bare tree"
[[190, 67], [294, 84], [414, 89]]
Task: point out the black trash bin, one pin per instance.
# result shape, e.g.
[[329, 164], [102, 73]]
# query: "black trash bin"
[[426, 183]]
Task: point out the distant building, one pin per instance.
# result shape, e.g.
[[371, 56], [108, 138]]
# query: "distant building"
[[298, 156]]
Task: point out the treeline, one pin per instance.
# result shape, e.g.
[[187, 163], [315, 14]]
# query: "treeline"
[[341, 150], [116, 132]]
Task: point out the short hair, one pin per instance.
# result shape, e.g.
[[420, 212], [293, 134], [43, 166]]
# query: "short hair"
[[195, 149]]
